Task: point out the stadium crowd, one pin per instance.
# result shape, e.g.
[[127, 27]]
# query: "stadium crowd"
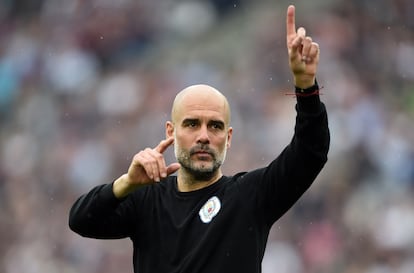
[[86, 84]]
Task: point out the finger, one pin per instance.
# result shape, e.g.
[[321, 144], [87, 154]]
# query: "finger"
[[290, 23], [302, 32], [139, 168], [164, 144], [307, 44], [159, 169], [314, 51], [297, 42], [172, 168], [296, 46], [149, 164]]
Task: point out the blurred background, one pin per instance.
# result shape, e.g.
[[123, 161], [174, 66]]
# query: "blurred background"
[[84, 85]]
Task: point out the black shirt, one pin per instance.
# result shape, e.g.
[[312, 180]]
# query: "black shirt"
[[220, 228]]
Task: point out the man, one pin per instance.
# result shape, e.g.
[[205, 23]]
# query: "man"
[[200, 220]]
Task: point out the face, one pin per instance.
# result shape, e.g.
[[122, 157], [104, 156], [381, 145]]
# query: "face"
[[201, 132]]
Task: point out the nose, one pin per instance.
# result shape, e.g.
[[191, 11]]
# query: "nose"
[[203, 136]]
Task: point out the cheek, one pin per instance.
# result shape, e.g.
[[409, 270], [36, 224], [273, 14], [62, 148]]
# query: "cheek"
[[182, 140], [221, 143]]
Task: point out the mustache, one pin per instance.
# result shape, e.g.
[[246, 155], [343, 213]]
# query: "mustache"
[[202, 148]]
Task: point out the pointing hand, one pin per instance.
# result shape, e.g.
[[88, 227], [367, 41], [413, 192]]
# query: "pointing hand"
[[303, 52], [147, 167]]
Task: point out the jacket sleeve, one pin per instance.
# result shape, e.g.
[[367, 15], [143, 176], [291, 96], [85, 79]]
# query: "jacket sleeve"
[[288, 176], [99, 214]]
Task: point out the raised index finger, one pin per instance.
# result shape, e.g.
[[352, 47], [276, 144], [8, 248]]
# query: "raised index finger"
[[290, 22], [164, 144]]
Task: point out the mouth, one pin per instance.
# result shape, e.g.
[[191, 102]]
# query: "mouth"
[[202, 154]]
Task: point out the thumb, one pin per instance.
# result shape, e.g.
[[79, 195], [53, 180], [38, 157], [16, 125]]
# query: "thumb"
[[172, 168]]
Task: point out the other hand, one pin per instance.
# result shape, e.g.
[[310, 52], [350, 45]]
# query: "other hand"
[[147, 167]]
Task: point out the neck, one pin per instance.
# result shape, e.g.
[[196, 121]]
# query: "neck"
[[186, 182]]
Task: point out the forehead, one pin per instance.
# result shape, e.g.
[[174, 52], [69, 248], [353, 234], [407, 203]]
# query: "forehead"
[[201, 104]]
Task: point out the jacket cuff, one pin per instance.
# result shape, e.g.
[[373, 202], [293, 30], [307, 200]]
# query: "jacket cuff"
[[308, 99]]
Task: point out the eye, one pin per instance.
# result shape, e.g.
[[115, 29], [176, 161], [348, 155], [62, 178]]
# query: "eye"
[[217, 125], [190, 123]]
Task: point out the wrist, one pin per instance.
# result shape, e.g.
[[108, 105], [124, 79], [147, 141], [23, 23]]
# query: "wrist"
[[121, 187], [310, 90], [304, 82]]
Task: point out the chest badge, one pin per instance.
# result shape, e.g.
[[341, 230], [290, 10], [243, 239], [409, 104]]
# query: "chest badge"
[[210, 209]]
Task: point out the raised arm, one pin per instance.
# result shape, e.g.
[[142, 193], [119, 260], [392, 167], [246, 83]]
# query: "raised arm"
[[295, 169]]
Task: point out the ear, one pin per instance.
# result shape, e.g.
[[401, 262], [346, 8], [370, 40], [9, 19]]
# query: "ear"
[[229, 136], [169, 129]]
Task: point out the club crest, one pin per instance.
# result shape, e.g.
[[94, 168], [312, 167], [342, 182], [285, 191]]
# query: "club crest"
[[210, 209]]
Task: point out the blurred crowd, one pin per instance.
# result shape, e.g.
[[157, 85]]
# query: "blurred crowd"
[[84, 85]]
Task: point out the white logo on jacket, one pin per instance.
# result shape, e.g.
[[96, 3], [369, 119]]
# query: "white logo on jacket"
[[210, 209]]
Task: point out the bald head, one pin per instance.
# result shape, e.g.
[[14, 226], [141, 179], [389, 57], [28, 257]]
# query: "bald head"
[[201, 97]]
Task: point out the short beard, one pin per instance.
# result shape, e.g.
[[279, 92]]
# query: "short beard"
[[198, 173]]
